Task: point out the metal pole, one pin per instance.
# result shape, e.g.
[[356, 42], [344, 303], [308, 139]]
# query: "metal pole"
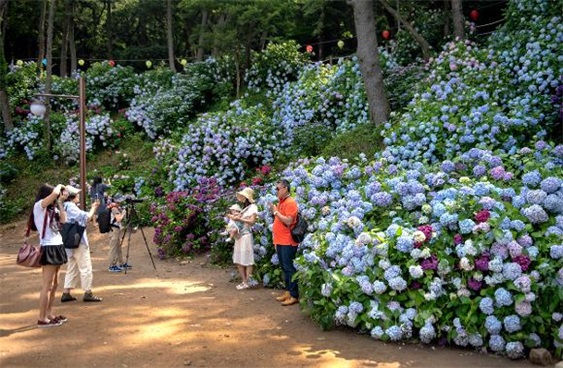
[[82, 112]]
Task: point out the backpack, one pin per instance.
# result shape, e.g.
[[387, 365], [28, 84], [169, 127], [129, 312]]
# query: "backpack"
[[104, 221], [299, 231]]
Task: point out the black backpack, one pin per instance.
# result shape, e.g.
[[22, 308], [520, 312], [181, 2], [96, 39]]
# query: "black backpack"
[[300, 229], [104, 221]]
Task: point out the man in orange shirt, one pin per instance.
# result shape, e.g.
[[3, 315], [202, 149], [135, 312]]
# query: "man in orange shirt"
[[285, 214]]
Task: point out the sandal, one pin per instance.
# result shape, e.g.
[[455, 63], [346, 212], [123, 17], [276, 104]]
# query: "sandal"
[[242, 286], [90, 297], [66, 297]]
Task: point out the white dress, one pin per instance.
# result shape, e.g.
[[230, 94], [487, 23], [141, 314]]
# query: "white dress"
[[243, 253]]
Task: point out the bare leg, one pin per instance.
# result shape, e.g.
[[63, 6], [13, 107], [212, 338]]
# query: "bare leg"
[[45, 305], [242, 273], [249, 271], [53, 291]]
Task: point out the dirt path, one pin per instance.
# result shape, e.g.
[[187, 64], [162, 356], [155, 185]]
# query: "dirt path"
[[183, 315]]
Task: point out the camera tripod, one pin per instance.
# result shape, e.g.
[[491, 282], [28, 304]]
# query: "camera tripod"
[[131, 216]]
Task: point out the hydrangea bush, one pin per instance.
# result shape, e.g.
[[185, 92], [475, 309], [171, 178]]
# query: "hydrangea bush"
[[494, 97], [453, 234], [448, 253], [165, 101]]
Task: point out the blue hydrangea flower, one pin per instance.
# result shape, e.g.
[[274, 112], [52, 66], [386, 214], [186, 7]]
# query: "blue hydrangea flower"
[[531, 179], [512, 323], [503, 297], [551, 184], [497, 343], [515, 350], [394, 332], [535, 214], [486, 305]]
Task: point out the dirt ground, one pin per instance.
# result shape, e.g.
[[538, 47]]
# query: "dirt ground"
[[183, 314]]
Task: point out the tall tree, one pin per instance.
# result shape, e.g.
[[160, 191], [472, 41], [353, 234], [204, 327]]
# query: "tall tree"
[[201, 40], [49, 74], [169, 34], [67, 24], [458, 19], [424, 45], [4, 101], [109, 30], [41, 36], [364, 19]]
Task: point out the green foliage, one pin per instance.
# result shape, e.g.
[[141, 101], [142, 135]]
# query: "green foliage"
[[273, 67], [363, 139], [20, 83], [402, 83]]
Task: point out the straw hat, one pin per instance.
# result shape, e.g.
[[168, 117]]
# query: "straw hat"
[[247, 193], [72, 190]]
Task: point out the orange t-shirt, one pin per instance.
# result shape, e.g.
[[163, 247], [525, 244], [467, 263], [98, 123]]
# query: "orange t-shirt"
[[281, 233]]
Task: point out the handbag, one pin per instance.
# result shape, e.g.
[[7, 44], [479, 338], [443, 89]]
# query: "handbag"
[[30, 255], [72, 234], [300, 229]]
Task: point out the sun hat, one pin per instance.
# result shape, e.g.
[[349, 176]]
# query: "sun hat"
[[247, 193], [235, 207], [72, 190]]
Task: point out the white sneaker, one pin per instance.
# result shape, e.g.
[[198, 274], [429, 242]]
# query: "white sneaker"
[[223, 233], [228, 240]]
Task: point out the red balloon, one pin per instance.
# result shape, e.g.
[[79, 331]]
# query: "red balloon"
[[385, 34], [309, 48], [474, 15], [111, 63]]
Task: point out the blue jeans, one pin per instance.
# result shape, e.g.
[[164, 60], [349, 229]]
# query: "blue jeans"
[[286, 255]]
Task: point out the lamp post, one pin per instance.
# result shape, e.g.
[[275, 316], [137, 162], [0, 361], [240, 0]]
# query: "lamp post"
[[38, 108]]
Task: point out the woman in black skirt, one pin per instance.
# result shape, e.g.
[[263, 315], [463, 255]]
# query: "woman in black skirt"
[[48, 215]]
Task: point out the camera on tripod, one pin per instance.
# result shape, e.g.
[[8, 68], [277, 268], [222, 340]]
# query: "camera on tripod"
[[130, 199]]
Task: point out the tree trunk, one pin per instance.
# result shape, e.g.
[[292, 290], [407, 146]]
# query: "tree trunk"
[[169, 27], [64, 40], [424, 45], [41, 35], [4, 101], [200, 50], [72, 45], [368, 56], [458, 20], [48, 77], [448, 17], [109, 29]]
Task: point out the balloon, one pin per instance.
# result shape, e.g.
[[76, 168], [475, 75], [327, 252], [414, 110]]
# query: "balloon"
[[81, 62], [111, 63], [474, 15], [385, 34], [309, 48], [184, 62], [19, 63], [340, 44], [148, 63]]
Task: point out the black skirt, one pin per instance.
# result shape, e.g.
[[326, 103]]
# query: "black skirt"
[[53, 255]]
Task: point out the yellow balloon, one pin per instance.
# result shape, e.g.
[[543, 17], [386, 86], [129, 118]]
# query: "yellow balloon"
[[148, 63], [19, 63], [340, 44], [81, 62], [183, 62]]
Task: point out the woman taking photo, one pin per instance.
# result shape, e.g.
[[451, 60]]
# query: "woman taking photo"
[[79, 263], [48, 214], [243, 254]]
